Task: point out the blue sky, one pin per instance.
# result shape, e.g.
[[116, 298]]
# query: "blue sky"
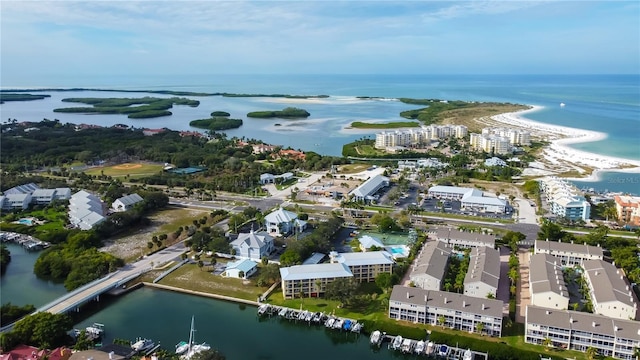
[[255, 37]]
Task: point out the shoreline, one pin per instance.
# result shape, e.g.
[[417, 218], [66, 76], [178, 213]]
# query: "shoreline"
[[561, 154]]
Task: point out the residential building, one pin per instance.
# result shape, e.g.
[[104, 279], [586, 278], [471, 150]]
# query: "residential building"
[[253, 245], [568, 254], [37, 196], [15, 201], [470, 199], [483, 274], [494, 161], [267, 178], [490, 143], [430, 265], [26, 352], [573, 330], [628, 209], [367, 189], [413, 165], [22, 189], [452, 310], [85, 210], [367, 242], [126, 202], [515, 136], [365, 266], [418, 136], [282, 222], [311, 280], [609, 291], [546, 282], [564, 199], [241, 269], [464, 239]]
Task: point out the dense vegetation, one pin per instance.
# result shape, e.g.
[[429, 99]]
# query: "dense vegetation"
[[165, 92], [20, 97], [135, 108], [10, 313], [287, 113], [220, 113], [43, 330], [438, 110], [5, 258], [318, 241], [389, 125], [216, 123]]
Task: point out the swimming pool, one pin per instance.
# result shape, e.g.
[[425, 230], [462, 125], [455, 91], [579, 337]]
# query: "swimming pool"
[[26, 221], [398, 251], [388, 239]]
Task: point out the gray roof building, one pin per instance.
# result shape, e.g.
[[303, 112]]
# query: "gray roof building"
[[546, 282], [369, 187], [430, 265], [610, 292], [570, 254], [465, 238], [316, 271], [483, 275]]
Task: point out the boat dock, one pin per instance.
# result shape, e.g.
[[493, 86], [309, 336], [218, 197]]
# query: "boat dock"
[[425, 347], [26, 241], [310, 317]]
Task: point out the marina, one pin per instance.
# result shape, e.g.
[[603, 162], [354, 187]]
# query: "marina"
[[26, 241], [310, 317]]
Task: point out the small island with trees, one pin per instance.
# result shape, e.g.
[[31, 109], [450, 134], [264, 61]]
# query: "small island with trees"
[[286, 113], [219, 121], [135, 108], [20, 97]]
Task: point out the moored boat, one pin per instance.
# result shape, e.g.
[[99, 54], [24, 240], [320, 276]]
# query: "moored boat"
[[397, 342], [375, 338], [141, 344], [182, 347], [419, 347], [407, 346]]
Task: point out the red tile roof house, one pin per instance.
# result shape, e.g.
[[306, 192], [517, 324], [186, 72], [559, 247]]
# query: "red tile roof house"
[[26, 352]]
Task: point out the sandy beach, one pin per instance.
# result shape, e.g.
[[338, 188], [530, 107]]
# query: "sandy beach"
[[559, 156]]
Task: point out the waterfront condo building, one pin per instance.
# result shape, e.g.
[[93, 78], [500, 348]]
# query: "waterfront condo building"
[[546, 282], [573, 330], [418, 136], [628, 209], [515, 136], [365, 266], [311, 280], [490, 143], [568, 254], [483, 274], [441, 308], [564, 199], [610, 293], [470, 199]]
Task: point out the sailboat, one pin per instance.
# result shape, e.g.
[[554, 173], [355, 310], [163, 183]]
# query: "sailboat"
[[189, 349]]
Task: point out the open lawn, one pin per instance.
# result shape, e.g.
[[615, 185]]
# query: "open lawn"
[[368, 150], [191, 277], [352, 168], [134, 170]]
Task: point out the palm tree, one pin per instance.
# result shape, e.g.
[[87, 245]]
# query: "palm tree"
[[480, 328], [441, 320], [547, 343], [591, 352]]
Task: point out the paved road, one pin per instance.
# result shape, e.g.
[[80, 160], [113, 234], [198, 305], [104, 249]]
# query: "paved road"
[[170, 253]]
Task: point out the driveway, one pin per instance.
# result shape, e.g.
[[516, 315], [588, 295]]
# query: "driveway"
[[526, 212], [523, 297], [503, 285]]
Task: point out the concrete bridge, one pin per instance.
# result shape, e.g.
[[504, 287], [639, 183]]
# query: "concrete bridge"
[[92, 291]]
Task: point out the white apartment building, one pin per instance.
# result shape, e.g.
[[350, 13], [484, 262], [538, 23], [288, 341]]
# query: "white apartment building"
[[573, 330], [546, 282], [365, 266], [564, 199], [610, 293], [430, 265], [465, 239], [568, 254], [490, 143], [515, 136], [418, 136], [452, 310], [311, 280], [483, 274]]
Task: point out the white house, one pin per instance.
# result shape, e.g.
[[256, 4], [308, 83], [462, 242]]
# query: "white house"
[[367, 242], [282, 222], [267, 178], [241, 269], [126, 202], [546, 282], [610, 293], [495, 161], [85, 210], [253, 245]]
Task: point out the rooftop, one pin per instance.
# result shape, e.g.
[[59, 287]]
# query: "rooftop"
[[362, 258], [316, 271], [484, 266], [545, 274], [608, 282], [557, 246], [444, 234], [432, 260], [369, 186]]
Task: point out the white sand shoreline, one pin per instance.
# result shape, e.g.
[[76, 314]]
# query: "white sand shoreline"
[[560, 137]]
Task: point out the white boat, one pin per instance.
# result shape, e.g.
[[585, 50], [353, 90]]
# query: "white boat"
[[468, 355], [182, 347], [192, 348], [263, 309], [407, 346], [419, 347], [397, 342], [562, 104], [375, 338], [429, 350], [338, 323], [141, 344], [96, 329]]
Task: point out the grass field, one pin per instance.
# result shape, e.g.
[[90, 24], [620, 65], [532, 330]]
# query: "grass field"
[[368, 150], [352, 168], [132, 169]]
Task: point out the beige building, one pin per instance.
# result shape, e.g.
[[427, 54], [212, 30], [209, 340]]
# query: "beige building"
[[569, 254], [465, 239], [483, 274], [365, 266], [515, 136], [610, 293], [628, 208], [452, 310], [490, 143], [546, 282], [310, 280]]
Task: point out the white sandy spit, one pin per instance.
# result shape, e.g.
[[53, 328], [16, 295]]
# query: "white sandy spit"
[[562, 136]]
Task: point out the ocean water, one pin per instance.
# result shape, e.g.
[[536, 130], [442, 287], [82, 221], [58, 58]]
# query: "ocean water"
[[604, 103]]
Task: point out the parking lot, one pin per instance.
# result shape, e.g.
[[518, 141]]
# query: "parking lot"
[[455, 207]]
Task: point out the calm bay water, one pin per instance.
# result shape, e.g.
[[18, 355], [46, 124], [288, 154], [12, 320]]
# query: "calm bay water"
[[605, 103]]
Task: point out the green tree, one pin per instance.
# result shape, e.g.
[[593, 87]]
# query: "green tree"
[[479, 328], [5, 258], [200, 264], [43, 329], [341, 289], [10, 313], [441, 320], [82, 341], [550, 231], [592, 353], [290, 257], [383, 280]]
